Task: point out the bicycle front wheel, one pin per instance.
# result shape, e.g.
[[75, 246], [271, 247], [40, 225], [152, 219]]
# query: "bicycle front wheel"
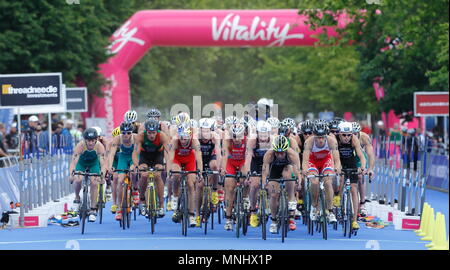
[[323, 215], [262, 211], [237, 207]]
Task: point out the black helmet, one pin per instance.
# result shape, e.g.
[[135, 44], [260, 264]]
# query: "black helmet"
[[153, 113], [284, 130], [320, 129], [307, 126], [126, 127], [90, 134], [334, 124], [152, 125]]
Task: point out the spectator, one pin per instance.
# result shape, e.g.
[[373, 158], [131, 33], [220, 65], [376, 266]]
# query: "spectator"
[[365, 128], [3, 152], [12, 138], [66, 135], [381, 129], [395, 134], [30, 139]]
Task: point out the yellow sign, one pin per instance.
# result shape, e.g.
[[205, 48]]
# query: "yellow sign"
[[5, 89]]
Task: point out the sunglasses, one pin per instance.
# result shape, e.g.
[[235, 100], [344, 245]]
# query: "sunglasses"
[[127, 133], [333, 131], [346, 135], [307, 133]]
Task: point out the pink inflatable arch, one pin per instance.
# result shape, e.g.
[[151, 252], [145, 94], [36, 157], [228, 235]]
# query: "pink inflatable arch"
[[194, 28]]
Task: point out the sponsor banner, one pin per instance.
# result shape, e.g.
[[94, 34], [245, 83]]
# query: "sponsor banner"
[[76, 99], [18, 90], [438, 175], [431, 103]]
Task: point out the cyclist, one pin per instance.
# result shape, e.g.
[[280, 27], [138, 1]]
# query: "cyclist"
[[286, 130], [348, 145], [177, 121], [148, 152], [306, 131], [131, 117], [333, 126], [211, 155], [234, 149], [116, 132], [88, 153], [256, 149], [275, 123], [321, 155], [156, 114], [185, 152], [125, 142], [369, 155], [281, 161]]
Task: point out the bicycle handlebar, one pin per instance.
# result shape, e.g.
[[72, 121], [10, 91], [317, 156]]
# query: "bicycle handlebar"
[[184, 172], [87, 174], [151, 170], [279, 180], [320, 175]]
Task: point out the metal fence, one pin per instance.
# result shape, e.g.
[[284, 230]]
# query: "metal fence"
[[402, 172]]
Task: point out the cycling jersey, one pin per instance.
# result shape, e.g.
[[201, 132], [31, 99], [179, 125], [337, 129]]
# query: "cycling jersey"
[[208, 152], [258, 157], [277, 166], [152, 151], [185, 156], [347, 157], [320, 159], [236, 158], [89, 159], [125, 155]]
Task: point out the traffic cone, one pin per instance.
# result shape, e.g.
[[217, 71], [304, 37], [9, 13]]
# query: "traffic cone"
[[423, 219], [430, 227], [441, 242], [436, 229]]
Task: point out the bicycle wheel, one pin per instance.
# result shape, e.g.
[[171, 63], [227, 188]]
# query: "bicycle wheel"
[[84, 208], [262, 213], [323, 215], [151, 209], [350, 215], [205, 209], [184, 209], [282, 216], [237, 207], [100, 203]]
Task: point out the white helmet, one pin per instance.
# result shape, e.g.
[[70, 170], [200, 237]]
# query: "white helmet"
[[248, 121], [181, 118], [356, 127], [130, 116], [193, 123], [263, 126], [206, 123], [274, 122], [345, 127], [237, 130], [289, 122], [99, 131], [231, 120]]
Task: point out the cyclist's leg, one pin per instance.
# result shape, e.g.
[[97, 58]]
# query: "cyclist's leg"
[[314, 184], [274, 193], [213, 180], [114, 188], [254, 188], [198, 191], [159, 185], [143, 181], [288, 173], [78, 180], [355, 198], [230, 185], [95, 168]]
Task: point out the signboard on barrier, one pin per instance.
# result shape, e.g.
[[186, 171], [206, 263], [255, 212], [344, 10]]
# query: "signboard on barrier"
[[33, 91], [76, 99], [431, 104], [438, 176]]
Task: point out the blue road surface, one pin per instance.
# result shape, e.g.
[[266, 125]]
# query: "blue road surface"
[[109, 236]]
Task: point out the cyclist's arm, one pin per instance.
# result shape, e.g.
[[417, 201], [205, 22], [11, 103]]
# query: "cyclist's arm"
[[76, 156], [166, 142], [112, 151], [295, 161], [306, 153], [217, 149], [223, 166], [172, 148], [103, 160], [357, 145], [369, 150], [294, 144], [198, 154], [268, 157], [249, 154], [332, 142], [137, 149]]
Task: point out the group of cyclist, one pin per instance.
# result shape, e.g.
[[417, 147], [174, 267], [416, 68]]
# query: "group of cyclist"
[[269, 149]]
